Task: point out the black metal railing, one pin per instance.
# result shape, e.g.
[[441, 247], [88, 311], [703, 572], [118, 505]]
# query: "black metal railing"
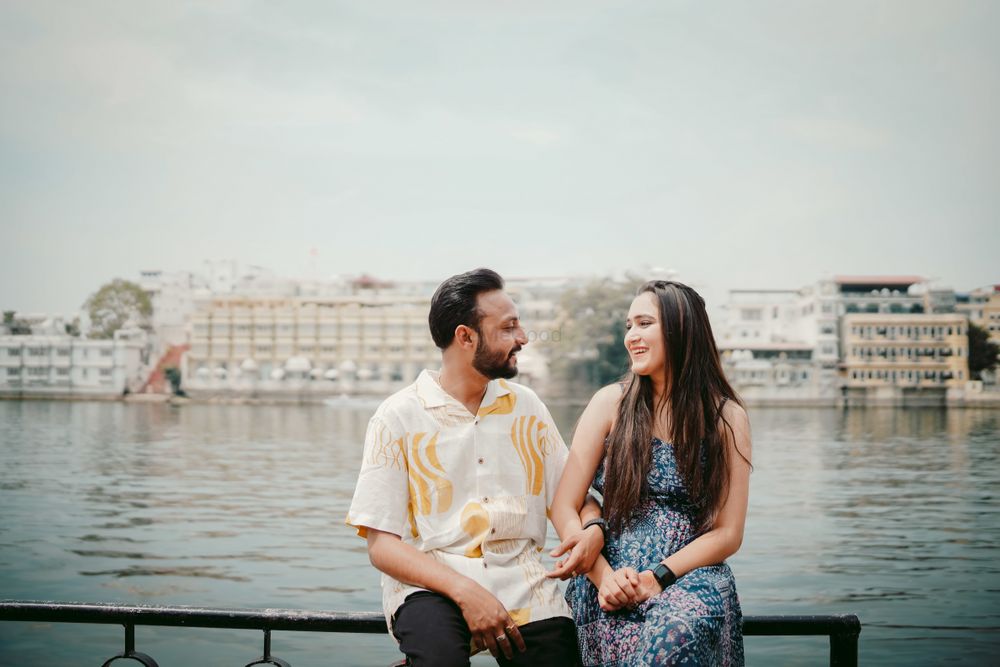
[[843, 630]]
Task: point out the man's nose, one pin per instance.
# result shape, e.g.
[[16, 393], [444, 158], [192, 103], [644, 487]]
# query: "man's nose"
[[521, 337]]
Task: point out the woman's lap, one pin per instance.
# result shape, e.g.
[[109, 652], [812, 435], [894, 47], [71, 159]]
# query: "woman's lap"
[[695, 621]]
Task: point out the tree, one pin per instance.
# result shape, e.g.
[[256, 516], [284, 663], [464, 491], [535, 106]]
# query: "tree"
[[591, 353], [173, 375], [983, 353], [116, 304], [73, 328]]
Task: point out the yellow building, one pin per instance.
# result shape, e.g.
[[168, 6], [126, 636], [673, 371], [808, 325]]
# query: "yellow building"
[[908, 350], [374, 342]]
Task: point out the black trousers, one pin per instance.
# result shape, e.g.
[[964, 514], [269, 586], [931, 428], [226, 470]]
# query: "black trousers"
[[431, 631]]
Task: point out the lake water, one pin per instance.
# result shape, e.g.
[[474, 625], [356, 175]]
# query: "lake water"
[[889, 514]]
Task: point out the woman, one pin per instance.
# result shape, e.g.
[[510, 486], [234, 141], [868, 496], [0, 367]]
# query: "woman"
[[669, 449]]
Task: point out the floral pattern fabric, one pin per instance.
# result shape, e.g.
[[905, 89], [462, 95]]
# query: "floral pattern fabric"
[[695, 621]]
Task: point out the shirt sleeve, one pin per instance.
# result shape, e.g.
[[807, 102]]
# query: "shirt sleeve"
[[381, 497], [555, 460]]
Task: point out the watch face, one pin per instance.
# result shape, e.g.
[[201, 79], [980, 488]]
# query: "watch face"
[[664, 575]]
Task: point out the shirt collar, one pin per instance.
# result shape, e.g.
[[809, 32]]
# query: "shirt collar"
[[432, 395]]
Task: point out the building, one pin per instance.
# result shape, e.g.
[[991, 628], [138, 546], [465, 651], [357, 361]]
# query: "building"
[[172, 296], [904, 351], [982, 307], [860, 338], [367, 343], [67, 367], [782, 344]]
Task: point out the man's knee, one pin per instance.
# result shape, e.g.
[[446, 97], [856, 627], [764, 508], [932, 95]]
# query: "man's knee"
[[432, 631]]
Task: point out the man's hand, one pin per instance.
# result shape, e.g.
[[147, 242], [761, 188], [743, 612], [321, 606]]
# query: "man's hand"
[[491, 626], [584, 547], [619, 588]]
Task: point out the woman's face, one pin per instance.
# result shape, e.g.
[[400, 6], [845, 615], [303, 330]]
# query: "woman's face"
[[644, 335]]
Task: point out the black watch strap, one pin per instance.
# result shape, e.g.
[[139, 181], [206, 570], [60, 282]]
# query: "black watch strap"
[[664, 575], [601, 523]]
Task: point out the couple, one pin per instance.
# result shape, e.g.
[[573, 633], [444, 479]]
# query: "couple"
[[462, 468]]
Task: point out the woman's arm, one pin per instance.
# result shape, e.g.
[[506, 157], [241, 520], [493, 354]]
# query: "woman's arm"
[[584, 457], [726, 535]]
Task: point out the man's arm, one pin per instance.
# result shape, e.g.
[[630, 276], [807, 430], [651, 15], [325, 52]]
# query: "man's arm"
[[483, 612]]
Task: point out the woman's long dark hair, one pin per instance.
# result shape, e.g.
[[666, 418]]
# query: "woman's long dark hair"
[[696, 391]]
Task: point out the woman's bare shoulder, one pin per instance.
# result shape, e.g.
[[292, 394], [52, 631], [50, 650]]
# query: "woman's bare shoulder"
[[735, 414], [609, 396]]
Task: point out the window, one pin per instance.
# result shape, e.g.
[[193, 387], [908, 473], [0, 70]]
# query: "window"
[[35, 371], [14, 372], [105, 372], [105, 352], [62, 372], [36, 351], [750, 314], [62, 351], [13, 352]]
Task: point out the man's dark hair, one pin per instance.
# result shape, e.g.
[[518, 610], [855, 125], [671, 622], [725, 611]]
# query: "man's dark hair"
[[454, 303]]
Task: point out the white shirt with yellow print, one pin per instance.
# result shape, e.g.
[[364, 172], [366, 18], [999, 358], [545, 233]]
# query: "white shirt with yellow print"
[[473, 491]]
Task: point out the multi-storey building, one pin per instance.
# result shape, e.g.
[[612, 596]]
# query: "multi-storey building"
[[64, 366], [368, 343], [172, 296], [982, 306], [905, 350], [782, 344]]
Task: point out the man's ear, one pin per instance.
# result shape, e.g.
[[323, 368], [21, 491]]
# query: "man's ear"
[[465, 336]]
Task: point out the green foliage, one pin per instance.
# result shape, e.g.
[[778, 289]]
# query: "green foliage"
[[116, 304], [591, 352], [983, 353], [173, 375], [73, 328]]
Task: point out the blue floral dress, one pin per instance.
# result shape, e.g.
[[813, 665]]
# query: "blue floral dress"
[[695, 621]]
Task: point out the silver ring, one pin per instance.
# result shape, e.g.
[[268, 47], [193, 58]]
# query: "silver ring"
[[501, 638]]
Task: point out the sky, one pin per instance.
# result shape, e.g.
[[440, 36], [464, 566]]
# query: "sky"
[[742, 145]]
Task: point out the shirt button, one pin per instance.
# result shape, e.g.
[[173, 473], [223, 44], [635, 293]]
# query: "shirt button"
[[486, 500], [482, 461], [493, 531]]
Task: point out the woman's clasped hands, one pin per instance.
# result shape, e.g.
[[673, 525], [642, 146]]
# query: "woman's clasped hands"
[[625, 587]]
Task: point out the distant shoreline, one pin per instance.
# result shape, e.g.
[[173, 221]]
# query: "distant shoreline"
[[989, 400]]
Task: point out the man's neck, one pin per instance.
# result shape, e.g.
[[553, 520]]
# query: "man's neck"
[[463, 383]]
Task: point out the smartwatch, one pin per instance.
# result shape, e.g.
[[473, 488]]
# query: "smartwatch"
[[664, 575]]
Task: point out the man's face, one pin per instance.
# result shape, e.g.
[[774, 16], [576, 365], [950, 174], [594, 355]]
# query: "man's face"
[[500, 336]]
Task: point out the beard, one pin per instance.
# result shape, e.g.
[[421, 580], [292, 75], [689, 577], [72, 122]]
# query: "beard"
[[494, 364]]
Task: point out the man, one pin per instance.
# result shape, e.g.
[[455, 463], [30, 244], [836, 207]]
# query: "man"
[[458, 474]]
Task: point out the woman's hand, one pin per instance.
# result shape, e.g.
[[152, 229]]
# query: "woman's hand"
[[584, 547], [648, 587], [619, 588]]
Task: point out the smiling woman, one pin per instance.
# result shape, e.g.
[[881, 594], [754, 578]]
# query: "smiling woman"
[[669, 449]]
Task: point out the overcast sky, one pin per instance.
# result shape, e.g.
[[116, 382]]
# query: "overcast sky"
[[758, 144]]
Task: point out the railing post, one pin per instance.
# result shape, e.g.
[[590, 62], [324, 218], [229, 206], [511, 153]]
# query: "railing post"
[[130, 652], [844, 645], [267, 658]]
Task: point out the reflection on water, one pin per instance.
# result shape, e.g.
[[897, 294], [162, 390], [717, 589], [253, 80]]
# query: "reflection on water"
[[890, 514]]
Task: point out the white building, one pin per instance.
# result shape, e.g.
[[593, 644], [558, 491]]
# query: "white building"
[[781, 344], [172, 295], [64, 366]]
